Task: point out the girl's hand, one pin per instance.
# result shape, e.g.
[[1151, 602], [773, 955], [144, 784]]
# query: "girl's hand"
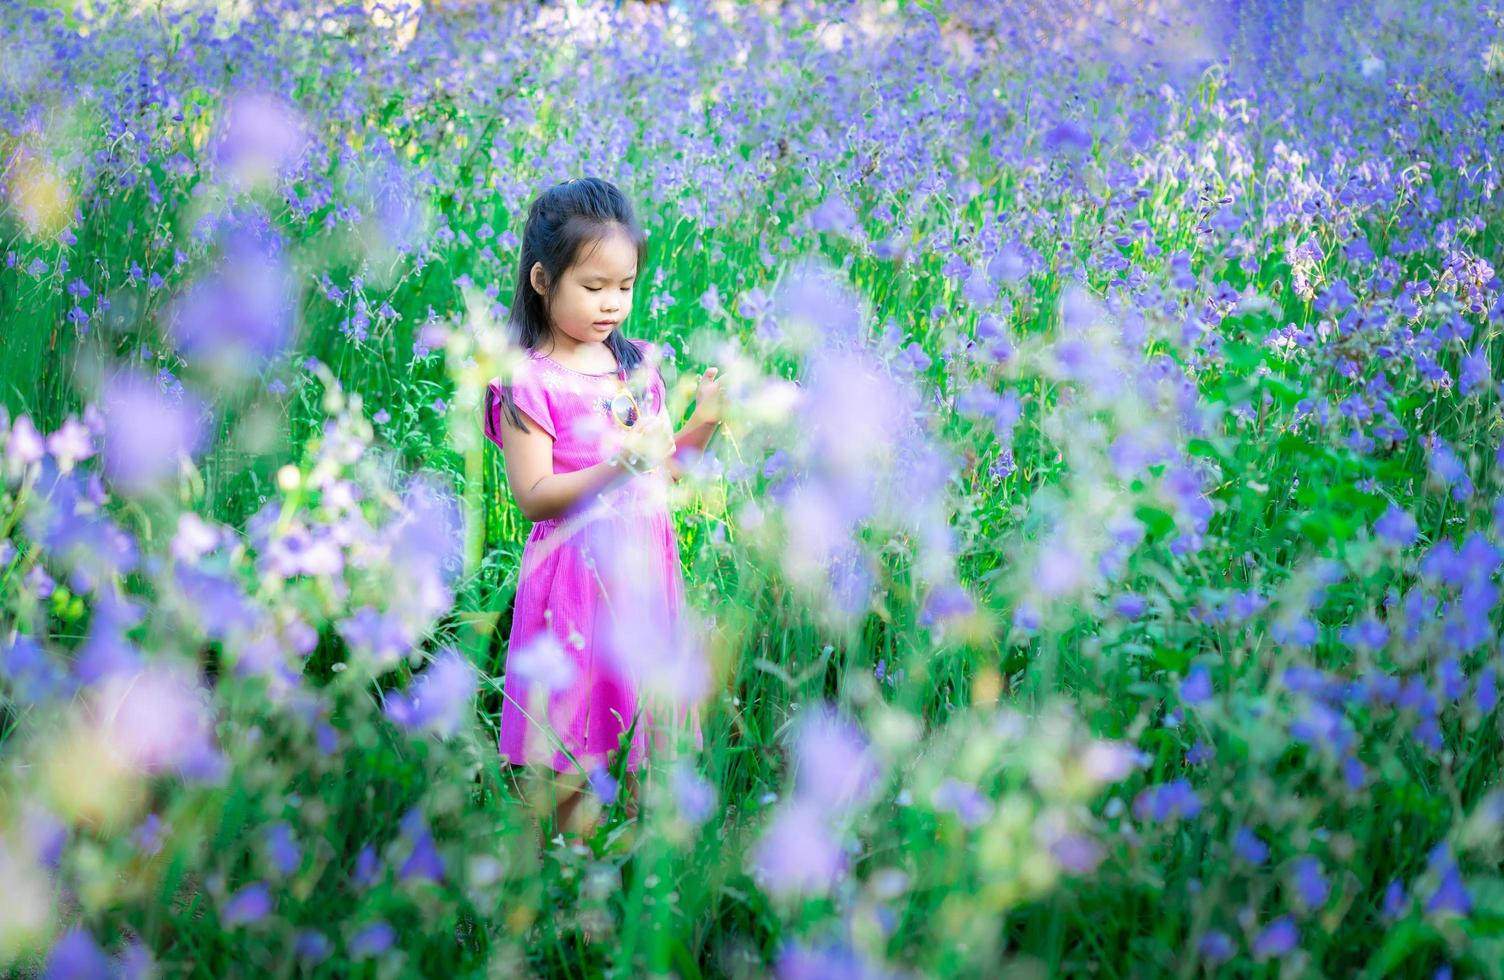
[[710, 399], [646, 445]]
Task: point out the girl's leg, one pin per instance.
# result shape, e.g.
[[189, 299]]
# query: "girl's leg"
[[632, 790], [567, 797]]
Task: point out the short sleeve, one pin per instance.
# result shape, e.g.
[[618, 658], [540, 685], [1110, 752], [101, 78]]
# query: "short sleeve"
[[527, 391]]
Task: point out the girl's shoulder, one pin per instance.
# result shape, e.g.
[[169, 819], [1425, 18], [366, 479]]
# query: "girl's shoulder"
[[651, 352]]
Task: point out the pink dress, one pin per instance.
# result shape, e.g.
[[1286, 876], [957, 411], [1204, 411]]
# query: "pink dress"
[[598, 635]]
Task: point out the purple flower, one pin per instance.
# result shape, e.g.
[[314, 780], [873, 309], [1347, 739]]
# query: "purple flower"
[[1394, 900], [312, 946], [1067, 137], [1366, 634], [1397, 527], [1249, 847], [693, 794], [1197, 686], [25, 446], [828, 961], [544, 662], [963, 800], [1447, 469], [1109, 761], [372, 940], [603, 783], [798, 853], [148, 837], [1450, 896], [1486, 692], [945, 601], [260, 135], [36, 677], [283, 849], [835, 215], [1166, 801], [1310, 883], [834, 768], [70, 444], [77, 955], [1217, 946], [440, 697], [367, 867], [250, 904], [1077, 853], [1475, 374], [424, 860], [147, 433], [1129, 606], [159, 718], [1277, 939], [382, 638]]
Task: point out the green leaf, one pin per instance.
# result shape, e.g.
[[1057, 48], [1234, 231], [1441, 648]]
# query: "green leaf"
[[1172, 659], [1159, 521], [1404, 938]]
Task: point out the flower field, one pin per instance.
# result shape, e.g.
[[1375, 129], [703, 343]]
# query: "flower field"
[[1096, 573]]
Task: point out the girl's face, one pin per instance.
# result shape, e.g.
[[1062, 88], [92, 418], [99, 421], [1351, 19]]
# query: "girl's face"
[[595, 294]]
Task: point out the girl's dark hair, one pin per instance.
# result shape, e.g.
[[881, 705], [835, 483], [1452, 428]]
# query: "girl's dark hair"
[[560, 222]]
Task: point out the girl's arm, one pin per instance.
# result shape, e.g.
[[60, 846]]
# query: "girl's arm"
[[541, 493], [698, 428], [694, 436]]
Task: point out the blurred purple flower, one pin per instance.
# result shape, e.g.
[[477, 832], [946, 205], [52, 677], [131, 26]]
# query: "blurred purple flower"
[[440, 697], [282, 848], [1197, 686], [159, 718], [798, 853], [1109, 761], [71, 443], [383, 638], [834, 769], [1077, 853], [372, 940], [1249, 847], [36, 677], [1166, 801], [1067, 137], [834, 215], [694, 796], [424, 860], [1277, 939], [603, 784], [259, 136], [77, 955], [1395, 900], [147, 432], [544, 662], [1310, 883], [312, 946], [962, 799], [149, 836], [251, 903], [817, 308], [824, 961], [25, 445], [1397, 527], [367, 867], [1217, 946], [1450, 896], [240, 316]]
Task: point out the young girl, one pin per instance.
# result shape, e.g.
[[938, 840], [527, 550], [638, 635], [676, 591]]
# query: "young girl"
[[587, 459]]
